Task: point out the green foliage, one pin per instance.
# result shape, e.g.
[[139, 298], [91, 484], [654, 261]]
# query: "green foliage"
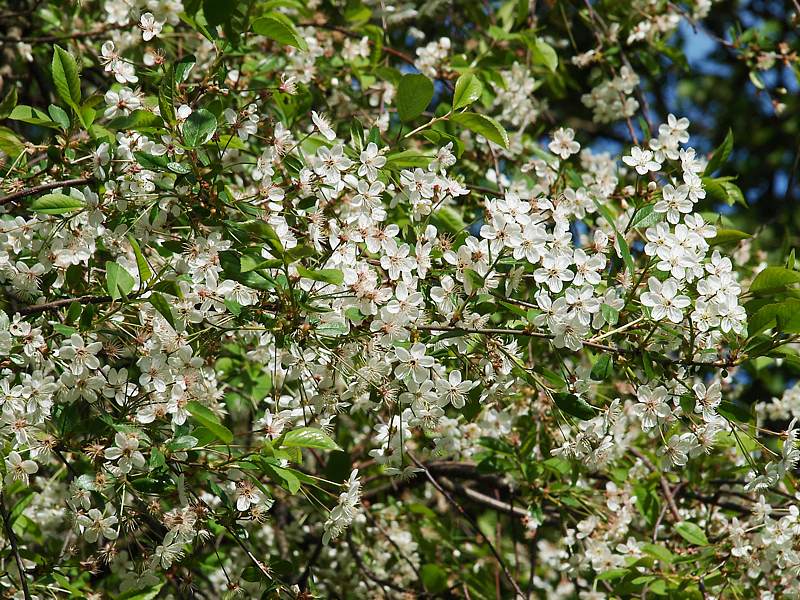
[[414, 93]]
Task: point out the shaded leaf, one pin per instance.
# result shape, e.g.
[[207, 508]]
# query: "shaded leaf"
[[413, 96], [204, 416], [277, 27]]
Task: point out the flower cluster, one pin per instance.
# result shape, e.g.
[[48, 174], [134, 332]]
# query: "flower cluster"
[[263, 253]]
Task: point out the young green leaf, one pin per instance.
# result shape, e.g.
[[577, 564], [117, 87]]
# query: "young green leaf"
[[413, 96], [56, 204], [218, 12], [166, 97], [210, 421], [65, 77], [774, 278], [333, 276], [162, 306], [8, 103], [199, 128], [692, 533], [543, 54], [145, 272], [119, 282], [575, 406], [720, 155], [309, 437], [728, 236], [483, 125], [468, 90], [277, 27], [603, 368]]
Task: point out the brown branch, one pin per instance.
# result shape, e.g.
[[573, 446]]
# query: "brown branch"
[[43, 188], [12, 538], [668, 495], [351, 34], [49, 39], [472, 522], [56, 304], [587, 343], [485, 500], [368, 572]]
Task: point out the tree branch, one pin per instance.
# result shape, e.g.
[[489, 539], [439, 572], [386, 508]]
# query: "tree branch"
[[44, 187], [12, 538], [668, 496], [56, 304], [472, 522]]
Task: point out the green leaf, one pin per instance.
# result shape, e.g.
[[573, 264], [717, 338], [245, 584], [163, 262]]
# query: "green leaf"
[[333, 276], [660, 552], [286, 475], [65, 77], [162, 306], [784, 316], [199, 128], [612, 574], [468, 90], [150, 161], [178, 168], [218, 12], [735, 411], [774, 278], [728, 236], [449, 220], [473, 281], [722, 189], [626, 253], [721, 154], [603, 368], [413, 96], [309, 437], [8, 103], [145, 272], [692, 533], [483, 125], [157, 458], [434, 578], [277, 27], [119, 282], [31, 115], [645, 216], [56, 204], [10, 143], [610, 314], [233, 307], [183, 67], [166, 97], [543, 54], [575, 406], [210, 421], [138, 119]]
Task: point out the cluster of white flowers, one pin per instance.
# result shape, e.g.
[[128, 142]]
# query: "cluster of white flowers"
[[612, 98], [301, 280], [516, 100], [431, 56]]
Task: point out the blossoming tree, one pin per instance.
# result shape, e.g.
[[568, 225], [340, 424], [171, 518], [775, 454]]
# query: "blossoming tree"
[[348, 300]]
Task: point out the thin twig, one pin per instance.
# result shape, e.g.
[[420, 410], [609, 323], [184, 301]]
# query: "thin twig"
[[43, 188], [472, 522], [56, 304], [12, 538], [668, 495]]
